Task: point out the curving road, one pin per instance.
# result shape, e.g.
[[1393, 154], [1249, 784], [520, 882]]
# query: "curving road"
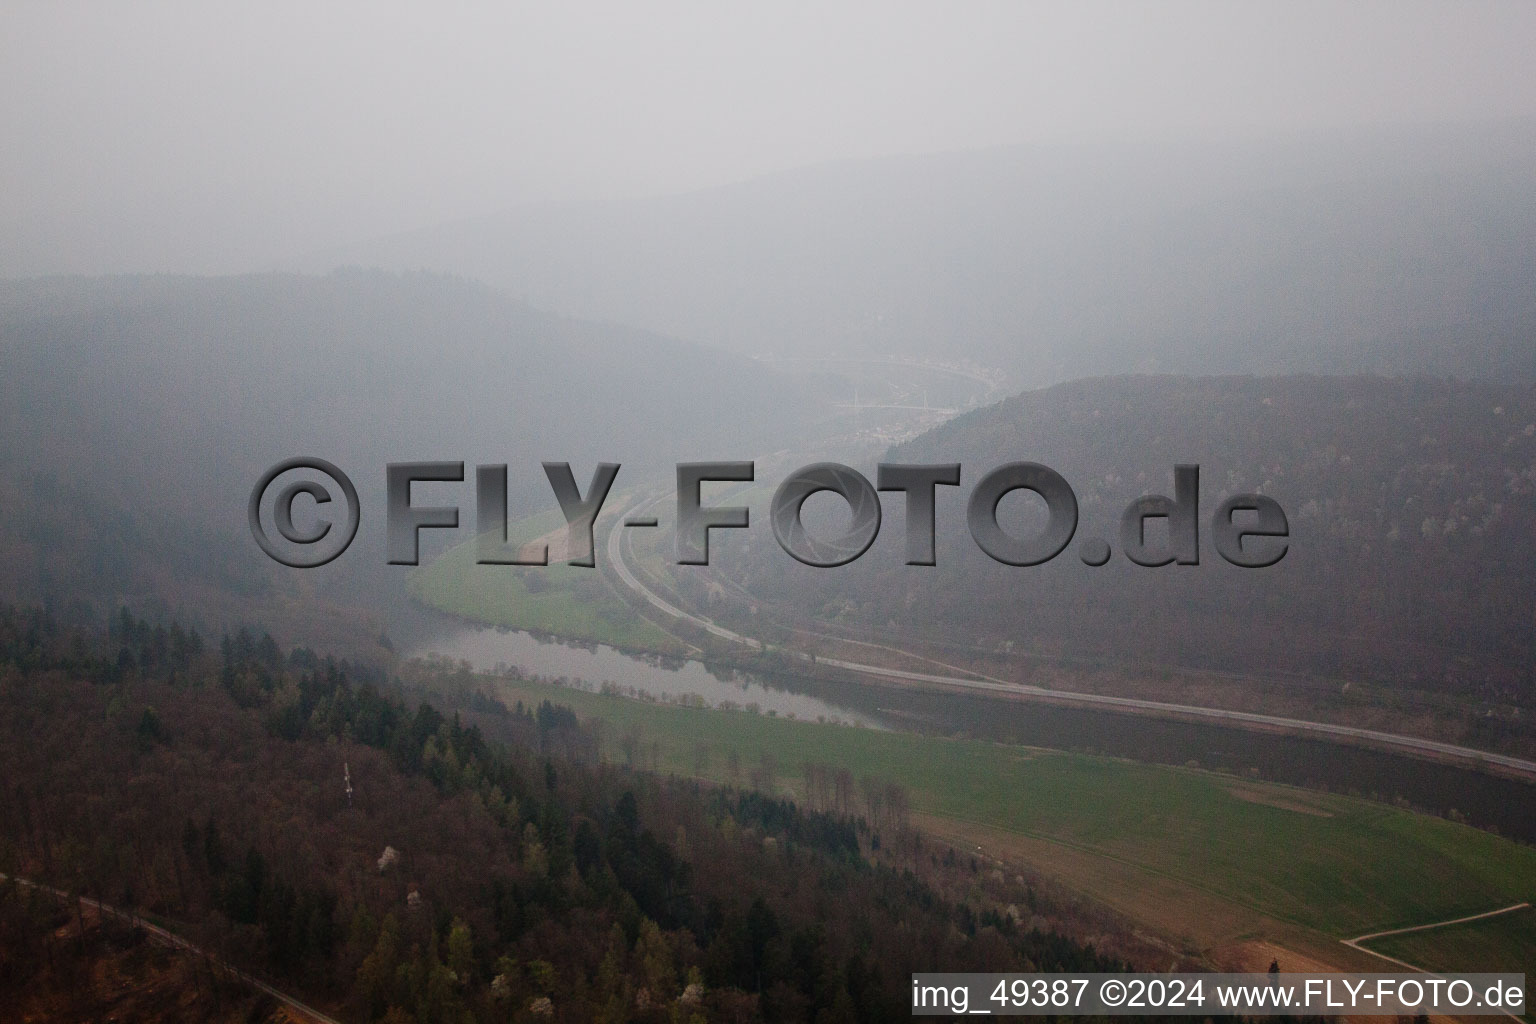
[[1394, 741]]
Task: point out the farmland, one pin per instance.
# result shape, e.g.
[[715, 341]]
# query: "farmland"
[[1505, 942], [1314, 868], [558, 600]]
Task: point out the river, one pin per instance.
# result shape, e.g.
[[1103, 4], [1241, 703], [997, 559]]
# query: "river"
[[1489, 801]]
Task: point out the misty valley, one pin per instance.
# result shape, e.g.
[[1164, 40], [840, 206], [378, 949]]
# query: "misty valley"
[[405, 521], [737, 521], [888, 670]]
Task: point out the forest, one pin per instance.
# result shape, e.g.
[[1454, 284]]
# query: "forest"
[[294, 815], [1405, 583]]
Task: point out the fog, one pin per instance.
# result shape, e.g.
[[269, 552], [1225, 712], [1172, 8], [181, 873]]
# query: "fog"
[[204, 138], [789, 234], [507, 511]]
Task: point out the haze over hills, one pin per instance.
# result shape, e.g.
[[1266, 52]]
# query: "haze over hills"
[[1402, 250], [139, 412], [1290, 243], [132, 452], [1411, 518]]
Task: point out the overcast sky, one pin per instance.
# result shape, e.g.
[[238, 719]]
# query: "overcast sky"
[[206, 136]]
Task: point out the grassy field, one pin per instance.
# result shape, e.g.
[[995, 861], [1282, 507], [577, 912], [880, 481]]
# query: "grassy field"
[[1206, 856], [1503, 943], [1333, 865], [558, 599]]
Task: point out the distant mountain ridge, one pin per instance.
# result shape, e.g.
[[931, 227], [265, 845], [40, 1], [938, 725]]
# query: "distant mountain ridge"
[[1411, 505], [138, 412], [1403, 250]]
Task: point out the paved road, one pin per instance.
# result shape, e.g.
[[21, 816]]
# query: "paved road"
[[177, 942], [1395, 741], [616, 559]]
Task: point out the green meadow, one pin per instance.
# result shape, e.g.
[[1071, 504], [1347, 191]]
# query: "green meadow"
[[558, 599], [1503, 943], [1337, 865]]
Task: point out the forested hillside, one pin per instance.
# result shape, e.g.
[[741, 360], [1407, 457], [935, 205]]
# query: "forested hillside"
[[1411, 506], [289, 813], [138, 412]]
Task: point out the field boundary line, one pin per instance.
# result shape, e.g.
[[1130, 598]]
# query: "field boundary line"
[[1354, 943], [1437, 924]]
